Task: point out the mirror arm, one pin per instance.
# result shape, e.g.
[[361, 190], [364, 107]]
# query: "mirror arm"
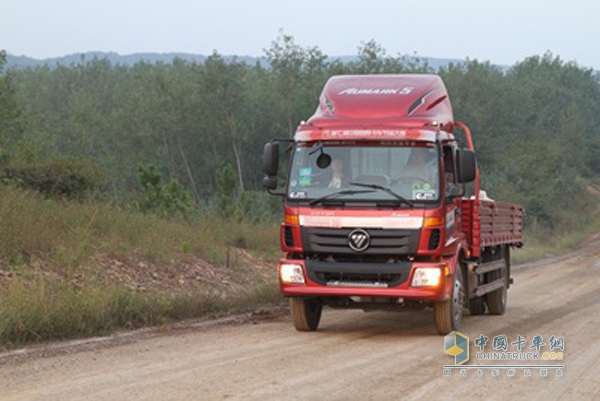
[[289, 140], [272, 192]]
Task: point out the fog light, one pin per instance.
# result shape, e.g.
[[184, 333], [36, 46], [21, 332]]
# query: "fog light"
[[427, 277], [291, 273]]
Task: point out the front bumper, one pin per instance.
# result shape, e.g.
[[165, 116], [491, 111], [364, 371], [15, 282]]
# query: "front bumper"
[[317, 285]]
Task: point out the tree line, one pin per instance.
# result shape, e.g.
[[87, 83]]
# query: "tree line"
[[204, 124]]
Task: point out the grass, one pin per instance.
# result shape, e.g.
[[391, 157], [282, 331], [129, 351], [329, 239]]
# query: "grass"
[[540, 247], [69, 233], [52, 286], [542, 242], [42, 310]]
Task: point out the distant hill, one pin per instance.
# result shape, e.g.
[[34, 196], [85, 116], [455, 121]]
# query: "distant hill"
[[19, 62], [114, 58]]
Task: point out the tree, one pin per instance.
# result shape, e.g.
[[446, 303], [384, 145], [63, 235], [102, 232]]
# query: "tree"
[[535, 127], [223, 84], [371, 58], [297, 76], [11, 130]]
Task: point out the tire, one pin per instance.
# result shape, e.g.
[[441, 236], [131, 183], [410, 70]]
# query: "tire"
[[496, 301], [448, 314], [306, 313], [477, 306]]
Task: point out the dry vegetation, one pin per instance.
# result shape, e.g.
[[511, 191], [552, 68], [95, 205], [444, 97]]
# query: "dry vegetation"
[[69, 269], [542, 242]]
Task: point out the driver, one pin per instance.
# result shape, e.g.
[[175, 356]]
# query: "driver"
[[337, 175]]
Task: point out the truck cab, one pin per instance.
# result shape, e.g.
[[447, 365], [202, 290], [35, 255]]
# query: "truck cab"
[[374, 203]]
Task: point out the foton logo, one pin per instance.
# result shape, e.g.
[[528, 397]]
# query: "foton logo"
[[359, 240], [377, 91]]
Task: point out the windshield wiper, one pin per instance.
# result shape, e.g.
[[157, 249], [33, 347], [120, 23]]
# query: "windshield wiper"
[[339, 193], [384, 189]]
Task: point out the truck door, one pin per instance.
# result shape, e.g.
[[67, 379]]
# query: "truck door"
[[452, 191]]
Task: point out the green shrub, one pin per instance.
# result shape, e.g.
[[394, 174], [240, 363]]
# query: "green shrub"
[[61, 177], [226, 191], [170, 199]]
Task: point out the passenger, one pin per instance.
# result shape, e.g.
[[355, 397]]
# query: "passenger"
[[420, 167]]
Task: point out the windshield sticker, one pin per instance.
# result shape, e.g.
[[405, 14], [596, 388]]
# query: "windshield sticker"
[[423, 191], [298, 195], [293, 183], [305, 180], [424, 195], [305, 176], [421, 186]]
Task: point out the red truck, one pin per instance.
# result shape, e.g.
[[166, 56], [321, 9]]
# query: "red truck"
[[383, 210]]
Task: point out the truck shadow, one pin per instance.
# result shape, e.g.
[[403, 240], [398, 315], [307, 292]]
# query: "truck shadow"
[[375, 323]]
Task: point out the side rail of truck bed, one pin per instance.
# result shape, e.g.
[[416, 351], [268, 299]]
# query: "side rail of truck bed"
[[488, 223]]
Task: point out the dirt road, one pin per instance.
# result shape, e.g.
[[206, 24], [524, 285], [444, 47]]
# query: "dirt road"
[[354, 355]]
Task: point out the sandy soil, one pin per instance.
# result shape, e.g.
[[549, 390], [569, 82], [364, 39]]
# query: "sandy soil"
[[354, 355]]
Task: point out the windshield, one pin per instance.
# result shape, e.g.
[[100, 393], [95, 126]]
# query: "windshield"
[[342, 172]]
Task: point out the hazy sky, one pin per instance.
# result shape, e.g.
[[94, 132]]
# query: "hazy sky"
[[502, 31]]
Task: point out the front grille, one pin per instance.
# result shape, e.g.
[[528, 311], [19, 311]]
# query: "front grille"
[[382, 241], [358, 274]]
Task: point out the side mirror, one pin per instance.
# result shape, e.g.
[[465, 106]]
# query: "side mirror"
[[269, 182], [271, 159], [466, 166]]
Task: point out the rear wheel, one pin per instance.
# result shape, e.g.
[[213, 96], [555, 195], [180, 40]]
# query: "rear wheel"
[[448, 314], [306, 313], [477, 306], [496, 300]]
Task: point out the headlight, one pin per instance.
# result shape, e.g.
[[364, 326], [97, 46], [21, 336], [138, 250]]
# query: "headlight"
[[291, 273], [427, 277]]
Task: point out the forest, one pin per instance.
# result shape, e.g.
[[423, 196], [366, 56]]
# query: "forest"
[[186, 137]]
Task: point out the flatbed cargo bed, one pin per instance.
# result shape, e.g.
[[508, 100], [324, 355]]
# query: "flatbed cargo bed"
[[489, 223]]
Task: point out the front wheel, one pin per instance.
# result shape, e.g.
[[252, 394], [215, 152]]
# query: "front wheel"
[[306, 313], [448, 314]]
